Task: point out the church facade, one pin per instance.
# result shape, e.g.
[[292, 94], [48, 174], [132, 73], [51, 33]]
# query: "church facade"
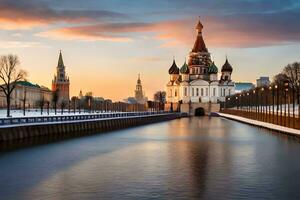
[[197, 80], [61, 82]]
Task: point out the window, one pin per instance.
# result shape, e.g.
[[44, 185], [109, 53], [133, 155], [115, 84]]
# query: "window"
[[214, 92], [229, 91], [175, 92], [185, 91], [224, 92], [202, 92], [193, 92], [206, 92], [197, 91]]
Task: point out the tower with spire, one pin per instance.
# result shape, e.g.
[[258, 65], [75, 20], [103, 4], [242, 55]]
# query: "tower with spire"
[[197, 80], [61, 82], [139, 93]]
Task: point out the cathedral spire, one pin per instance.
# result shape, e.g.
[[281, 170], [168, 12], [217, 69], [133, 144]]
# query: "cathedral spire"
[[199, 26], [199, 45], [60, 63], [139, 82]]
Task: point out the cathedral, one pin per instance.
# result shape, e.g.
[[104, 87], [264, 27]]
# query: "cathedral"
[[61, 82], [197, 80]]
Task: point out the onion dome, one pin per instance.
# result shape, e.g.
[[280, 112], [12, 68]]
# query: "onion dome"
[[226, 67], [213, 69], [184, 69], [174, 69]]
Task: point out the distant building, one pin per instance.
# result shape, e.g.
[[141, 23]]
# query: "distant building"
[[61, 82], [240, 87], [33, 94], [263, 81], [139, 93]]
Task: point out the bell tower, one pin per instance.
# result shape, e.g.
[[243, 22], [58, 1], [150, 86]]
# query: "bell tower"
[[61, 82]]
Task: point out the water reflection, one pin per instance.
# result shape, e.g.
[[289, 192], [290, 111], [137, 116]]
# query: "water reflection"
[[191, 158]]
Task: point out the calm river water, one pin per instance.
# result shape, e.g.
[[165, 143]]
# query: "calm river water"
[[196, 158]]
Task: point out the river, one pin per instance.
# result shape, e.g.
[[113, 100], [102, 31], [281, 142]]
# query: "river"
[[189, 158]]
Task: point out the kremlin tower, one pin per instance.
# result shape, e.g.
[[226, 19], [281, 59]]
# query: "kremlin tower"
[[61, 82]]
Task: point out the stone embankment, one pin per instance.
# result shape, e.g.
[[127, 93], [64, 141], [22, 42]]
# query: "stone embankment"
[[88, 126]]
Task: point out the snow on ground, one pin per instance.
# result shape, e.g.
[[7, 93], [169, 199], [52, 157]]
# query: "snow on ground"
[[37, 113], [262, 124]]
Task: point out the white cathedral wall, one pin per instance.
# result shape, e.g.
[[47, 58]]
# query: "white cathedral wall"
[[211, 93]]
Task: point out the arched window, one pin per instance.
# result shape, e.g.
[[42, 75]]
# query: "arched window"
[[185, 91], [197, 91], [175, 92], [202, 92]]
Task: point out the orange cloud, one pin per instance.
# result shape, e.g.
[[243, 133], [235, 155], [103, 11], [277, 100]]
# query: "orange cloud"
[[217, 33]]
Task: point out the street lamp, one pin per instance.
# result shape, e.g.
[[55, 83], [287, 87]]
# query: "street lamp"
[[236, 102], [248, 102], [261, 104], [286, 89], [277, 104]]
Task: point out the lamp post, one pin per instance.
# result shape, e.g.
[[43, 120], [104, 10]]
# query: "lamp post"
[[269, 103], [293, 100], [277, 103], [256, 103], [261, 104], [248, 102], [286, 89], [273, 102]]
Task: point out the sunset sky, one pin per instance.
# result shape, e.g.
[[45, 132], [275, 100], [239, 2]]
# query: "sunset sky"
[[106, 43]]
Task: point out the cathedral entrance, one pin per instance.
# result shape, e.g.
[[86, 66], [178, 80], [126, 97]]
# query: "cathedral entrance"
[[199, 111]]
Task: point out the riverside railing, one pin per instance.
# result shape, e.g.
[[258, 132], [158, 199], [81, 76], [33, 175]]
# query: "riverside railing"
[[74, 118], [274, 104]]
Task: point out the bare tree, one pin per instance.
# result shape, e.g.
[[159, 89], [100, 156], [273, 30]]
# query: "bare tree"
[[279, 79], [10, 75], [292, 72]]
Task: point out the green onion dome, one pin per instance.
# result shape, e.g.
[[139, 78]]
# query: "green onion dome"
[[213, 69], [184, 69], [226, 67], [174, 69]]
